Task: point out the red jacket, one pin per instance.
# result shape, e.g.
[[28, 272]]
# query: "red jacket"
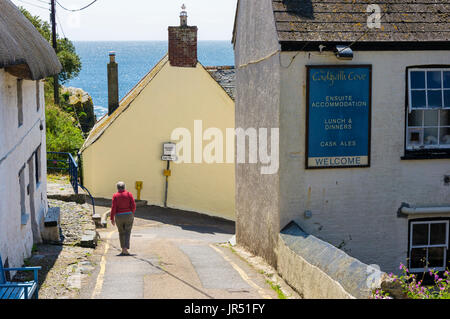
[[122, 202]]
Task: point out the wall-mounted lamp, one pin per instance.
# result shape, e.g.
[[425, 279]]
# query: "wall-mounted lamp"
[[343, 52]]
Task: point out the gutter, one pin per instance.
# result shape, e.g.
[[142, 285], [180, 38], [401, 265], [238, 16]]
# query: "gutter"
[[405, 210]]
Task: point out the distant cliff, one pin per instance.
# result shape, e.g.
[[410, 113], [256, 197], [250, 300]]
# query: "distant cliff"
[[79, 104]]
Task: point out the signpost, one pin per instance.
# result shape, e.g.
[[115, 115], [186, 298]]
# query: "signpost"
[[338, 115], [169, 154], [169, 157]]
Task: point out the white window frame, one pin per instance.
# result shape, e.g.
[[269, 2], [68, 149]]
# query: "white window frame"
[[422, 128], [411, 246]]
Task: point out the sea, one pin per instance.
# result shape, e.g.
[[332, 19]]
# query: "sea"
[[135, 59]]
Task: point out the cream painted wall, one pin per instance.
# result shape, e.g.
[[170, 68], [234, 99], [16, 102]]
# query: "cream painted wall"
[[131, 148], [17, 145], [357, 207]]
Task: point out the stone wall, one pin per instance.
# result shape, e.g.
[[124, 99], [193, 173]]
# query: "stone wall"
[[317, 269]]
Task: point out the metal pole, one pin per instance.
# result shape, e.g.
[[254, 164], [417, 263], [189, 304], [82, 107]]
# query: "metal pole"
[[167, 185], [55, 47]]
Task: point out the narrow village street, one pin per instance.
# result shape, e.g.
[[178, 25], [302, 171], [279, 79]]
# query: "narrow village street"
[[192, 155], [175, 254]]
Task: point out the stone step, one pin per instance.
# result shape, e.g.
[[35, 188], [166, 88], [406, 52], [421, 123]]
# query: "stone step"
[[52, 222], [89, 239]]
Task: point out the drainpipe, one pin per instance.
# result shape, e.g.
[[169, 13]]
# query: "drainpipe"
[[405, 210]]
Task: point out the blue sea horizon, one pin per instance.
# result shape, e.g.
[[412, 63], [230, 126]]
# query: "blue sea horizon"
[[135, 59]]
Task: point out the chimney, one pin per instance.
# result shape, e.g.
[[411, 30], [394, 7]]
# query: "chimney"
[[113, 84], [183, 43]]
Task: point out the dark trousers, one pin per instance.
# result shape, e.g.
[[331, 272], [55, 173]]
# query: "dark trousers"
[[124, 224]]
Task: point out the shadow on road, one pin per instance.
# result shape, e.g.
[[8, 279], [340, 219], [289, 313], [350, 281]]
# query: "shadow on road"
[[187, 220]]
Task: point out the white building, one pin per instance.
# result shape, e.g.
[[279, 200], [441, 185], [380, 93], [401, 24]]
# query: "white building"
[[348, 168], [25, 59]]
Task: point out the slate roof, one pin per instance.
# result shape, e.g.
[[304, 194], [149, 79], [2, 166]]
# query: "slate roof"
[[346, 20], [22, 44], [225, 76]]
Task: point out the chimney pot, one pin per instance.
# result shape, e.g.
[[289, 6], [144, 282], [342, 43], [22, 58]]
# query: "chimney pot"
[[183, 16], [183, 43], [112, 56]]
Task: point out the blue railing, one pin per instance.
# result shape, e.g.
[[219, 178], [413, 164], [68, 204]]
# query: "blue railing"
[[64, 162], [92, 198]]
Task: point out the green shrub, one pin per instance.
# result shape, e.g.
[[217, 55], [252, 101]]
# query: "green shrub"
[[62, 133]]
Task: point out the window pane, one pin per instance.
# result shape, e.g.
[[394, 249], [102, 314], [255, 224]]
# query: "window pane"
[[415, 137], [415, 118], [420, 234], [445, 118], [38, 96], [434, 80], [435, 98], [438, 234], [446, 98], [436, 257], [418, 79], [22, 191], [447, 79], [430, 136], [418, 99], [431, 118], [20, 102], [445, 136], [418, 257]]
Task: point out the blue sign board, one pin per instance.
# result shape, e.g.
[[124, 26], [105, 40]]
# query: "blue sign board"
[[338, 116]]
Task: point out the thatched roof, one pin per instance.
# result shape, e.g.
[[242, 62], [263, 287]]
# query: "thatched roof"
[[22, 48]]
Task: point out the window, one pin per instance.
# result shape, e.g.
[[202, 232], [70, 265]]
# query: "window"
[[428, 120], [428, 245], [37, 165], [38, 96], [23, 213], [20, 102]]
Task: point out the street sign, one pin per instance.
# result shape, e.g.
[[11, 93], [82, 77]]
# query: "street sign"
[[169, 157], [169, 149]]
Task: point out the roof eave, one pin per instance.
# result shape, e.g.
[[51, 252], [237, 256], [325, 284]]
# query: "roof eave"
[[287, 46]]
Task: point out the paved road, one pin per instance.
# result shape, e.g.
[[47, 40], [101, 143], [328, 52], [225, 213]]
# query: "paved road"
[[175, 254]]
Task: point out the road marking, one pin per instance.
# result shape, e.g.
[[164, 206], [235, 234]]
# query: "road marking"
[[242, 274], [101, 274]]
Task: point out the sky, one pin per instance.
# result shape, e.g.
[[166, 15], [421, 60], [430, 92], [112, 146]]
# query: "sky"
[[136, 20]]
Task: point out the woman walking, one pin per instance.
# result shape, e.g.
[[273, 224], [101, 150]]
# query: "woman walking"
[[122, 215]]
